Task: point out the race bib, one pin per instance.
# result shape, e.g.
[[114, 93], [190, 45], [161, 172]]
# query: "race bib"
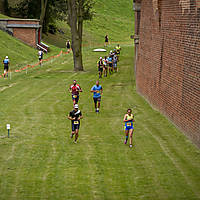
[[76, 122], [129, 124], [97, 91], [74, 96]]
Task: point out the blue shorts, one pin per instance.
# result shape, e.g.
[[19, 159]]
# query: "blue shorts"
[[127, 128], [75, 126], [75, 97]]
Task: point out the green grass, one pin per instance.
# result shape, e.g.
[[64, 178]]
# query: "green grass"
[[40, 161], [3, 16]]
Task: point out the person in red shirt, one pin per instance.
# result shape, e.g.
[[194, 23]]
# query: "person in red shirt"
[[75, 89]]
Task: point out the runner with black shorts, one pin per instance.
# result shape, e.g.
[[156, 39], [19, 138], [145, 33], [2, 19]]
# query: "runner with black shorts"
[[75, 89], [106, 41], [100, 67], [6, 63], [68, 45], [75, 116], [97, 92]]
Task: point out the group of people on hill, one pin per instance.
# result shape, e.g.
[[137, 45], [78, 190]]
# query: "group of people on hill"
[[109, 63], [76, 115]]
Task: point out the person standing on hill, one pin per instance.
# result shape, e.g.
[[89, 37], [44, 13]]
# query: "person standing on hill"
[[75, 89], [106, 41], [6, 63], [40, 56], [129, 126], [97, 91], [75, 116]]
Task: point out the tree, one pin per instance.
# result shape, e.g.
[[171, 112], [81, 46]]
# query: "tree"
[[43, 11], [78, 11]]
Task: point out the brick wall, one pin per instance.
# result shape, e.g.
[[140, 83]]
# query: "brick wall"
[[168, 61], [26, 35], [27, 30]]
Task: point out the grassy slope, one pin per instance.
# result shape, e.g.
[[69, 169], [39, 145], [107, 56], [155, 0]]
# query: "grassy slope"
[[111, 18], [40, 161]]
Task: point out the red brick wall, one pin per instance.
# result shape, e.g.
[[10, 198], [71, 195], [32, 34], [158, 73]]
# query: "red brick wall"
[[26, 35], [168, 61]]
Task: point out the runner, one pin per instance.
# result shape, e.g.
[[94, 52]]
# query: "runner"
[[75, 115], [97, 92], [40, 56], [115, 63], [68, 45], [75, 89], [110, 63], [106, 41], [118, 49], [6, 63], [100, 67], [129, 120], [105, 68]]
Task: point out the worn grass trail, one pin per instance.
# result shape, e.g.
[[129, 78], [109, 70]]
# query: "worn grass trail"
[[40, 161]]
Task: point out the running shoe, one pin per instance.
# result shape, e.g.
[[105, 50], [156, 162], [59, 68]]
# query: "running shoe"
[[125, 141], [130, 145]]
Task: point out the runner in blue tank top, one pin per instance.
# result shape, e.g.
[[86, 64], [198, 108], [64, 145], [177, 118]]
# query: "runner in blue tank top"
[[97, 92]]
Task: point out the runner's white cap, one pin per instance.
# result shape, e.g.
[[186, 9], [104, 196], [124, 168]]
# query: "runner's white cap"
[[6, 56], [100, 58], [76, 106]]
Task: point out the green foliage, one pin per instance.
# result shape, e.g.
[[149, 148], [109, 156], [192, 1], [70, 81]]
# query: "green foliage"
[[28, 9], [6, 8]]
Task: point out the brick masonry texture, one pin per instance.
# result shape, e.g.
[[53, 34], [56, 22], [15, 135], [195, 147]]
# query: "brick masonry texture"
[[168, 61], [26, 35]]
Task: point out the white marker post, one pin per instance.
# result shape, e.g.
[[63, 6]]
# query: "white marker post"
[[8, 128]]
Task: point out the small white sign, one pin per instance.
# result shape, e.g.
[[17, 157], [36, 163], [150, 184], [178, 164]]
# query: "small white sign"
[[8, 126]]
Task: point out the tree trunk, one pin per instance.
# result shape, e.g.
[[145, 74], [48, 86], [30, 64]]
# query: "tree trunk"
[[73, 12], [43, 11]]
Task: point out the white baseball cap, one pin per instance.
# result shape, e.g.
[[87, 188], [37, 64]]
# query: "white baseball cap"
[[6, 56], [76, 106], [100, 58]]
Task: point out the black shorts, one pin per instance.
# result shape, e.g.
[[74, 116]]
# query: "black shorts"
[[75, 126], [6, 68], [110, 64], [96, 99], [100, 69]]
